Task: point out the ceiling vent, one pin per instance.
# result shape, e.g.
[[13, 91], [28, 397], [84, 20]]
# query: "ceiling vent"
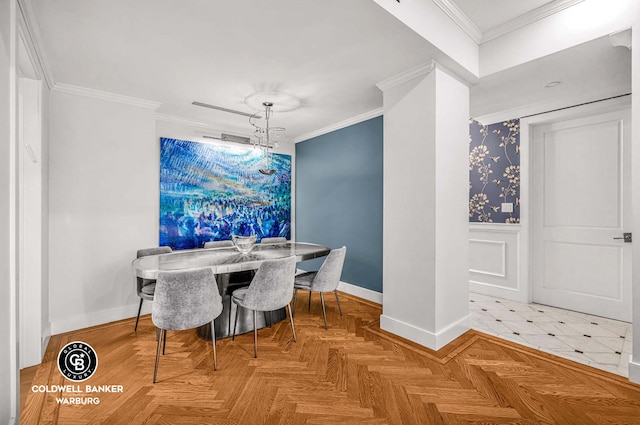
[[230, 138], [220, 108]]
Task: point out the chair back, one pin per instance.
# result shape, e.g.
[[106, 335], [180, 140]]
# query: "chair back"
[[272, 286], [185, 299], [218, 244], [328, 276], [140, 282], [154, 251], [273, 240]]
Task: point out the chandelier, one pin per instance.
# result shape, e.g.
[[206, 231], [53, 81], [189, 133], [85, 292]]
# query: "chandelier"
[[266, 137]]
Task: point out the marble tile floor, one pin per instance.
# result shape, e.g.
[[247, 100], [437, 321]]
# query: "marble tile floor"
[[602, 343]]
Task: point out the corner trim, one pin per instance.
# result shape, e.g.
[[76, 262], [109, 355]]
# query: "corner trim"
[[408, 75], [339, 125], [634, 371], [102, 95], [31, 33], [433, 341], [360, 292]]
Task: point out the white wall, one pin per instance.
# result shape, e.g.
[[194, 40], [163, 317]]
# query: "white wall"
[[103, 206]]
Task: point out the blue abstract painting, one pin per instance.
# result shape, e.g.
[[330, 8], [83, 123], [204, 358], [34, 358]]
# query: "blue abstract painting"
[[209, 192]]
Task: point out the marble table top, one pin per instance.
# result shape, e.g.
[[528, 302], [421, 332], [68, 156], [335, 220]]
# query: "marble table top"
[[224, 260]]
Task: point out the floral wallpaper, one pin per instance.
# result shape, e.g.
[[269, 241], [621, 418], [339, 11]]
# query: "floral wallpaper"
[[494, 171]]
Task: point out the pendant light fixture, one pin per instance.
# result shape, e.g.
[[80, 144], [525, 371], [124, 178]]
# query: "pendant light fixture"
[[265, 136]]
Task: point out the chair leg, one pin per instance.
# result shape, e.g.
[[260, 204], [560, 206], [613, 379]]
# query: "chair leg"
[[324, 313], [213, 342], [338, 301], [255, 336], [138, 317], [155, 372], [293, 330], [295, 298], [164, 342], [229, 321], [235, 323], [310, 300]]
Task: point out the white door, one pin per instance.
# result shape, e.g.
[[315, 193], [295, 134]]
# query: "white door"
[[581, 207]]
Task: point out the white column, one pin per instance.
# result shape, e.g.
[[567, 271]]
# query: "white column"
[[426, 201]]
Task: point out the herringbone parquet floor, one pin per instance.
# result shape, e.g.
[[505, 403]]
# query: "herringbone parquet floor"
[[354, 373]]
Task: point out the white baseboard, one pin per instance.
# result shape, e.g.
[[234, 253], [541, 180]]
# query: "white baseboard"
[[634, 371], [12, 421], [81, 321], [434, 341], [360, 292]]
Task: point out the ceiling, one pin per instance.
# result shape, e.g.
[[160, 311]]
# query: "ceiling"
[[329, 54]]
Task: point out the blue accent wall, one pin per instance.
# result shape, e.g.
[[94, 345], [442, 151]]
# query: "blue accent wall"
[[339, 198]]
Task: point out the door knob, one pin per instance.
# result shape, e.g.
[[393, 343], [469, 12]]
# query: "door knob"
[[626, 237]]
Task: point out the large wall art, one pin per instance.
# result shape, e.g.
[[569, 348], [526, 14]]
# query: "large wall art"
[[494, 171], [209, 192]]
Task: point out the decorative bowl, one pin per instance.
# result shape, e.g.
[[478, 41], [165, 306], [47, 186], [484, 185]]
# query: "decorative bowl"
[[244, 243]]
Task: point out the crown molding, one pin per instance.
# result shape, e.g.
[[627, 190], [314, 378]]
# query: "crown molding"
[[528, 18], [30, 33], [462, 20], [181, 120], [408, 75], [102, 95], [342, 124], [458, 16]]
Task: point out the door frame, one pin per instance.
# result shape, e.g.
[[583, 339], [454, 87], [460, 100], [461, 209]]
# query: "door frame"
[[526, 132]]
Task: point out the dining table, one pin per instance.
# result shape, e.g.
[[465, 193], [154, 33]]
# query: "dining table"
[[225, 261]]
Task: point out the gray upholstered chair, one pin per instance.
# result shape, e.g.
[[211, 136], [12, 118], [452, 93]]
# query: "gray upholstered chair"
[[273, 240], [218, 244], [185, 299], [230, 281], [271, 289], [146, 287], [326, 279]]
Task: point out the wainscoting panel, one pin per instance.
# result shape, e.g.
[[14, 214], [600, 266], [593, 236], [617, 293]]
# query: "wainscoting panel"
[[494, 261]]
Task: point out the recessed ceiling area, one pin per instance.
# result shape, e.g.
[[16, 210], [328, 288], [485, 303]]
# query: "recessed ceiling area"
[[587, 72]]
